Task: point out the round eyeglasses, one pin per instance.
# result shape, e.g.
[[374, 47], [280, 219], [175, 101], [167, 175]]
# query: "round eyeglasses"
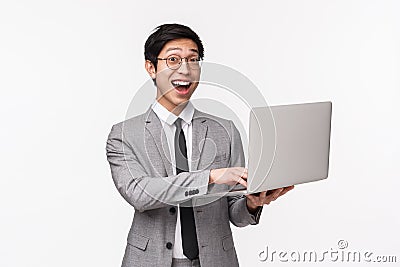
[[174, 62]]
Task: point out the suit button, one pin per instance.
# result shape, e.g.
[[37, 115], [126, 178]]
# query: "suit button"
[[169, 245], [172, 210]]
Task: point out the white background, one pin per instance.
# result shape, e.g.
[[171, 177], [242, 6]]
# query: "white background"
[[69, 69]]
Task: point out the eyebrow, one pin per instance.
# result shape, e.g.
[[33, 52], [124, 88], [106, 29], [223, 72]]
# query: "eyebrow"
[[178, 48]]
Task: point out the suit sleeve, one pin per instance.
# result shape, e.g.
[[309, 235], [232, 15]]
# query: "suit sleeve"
[[239, 215], [142, 191]]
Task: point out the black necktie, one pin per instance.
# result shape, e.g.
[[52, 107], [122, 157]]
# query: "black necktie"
[[188, 226]]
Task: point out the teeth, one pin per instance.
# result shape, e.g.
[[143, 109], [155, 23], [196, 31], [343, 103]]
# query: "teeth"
[[180, 83]]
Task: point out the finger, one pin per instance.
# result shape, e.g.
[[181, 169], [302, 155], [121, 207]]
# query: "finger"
[[243, 169], [287, 189], [257, 200], [276, 194], [269, 192], [253, 199], [242, 172], [240, 169], [260, 198], [249, 196], [242, 182], [263, 196], [283, 191]]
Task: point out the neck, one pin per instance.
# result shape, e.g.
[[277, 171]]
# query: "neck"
[[175, 109]]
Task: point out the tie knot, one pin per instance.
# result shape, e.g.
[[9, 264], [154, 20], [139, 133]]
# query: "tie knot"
[[178, 123]]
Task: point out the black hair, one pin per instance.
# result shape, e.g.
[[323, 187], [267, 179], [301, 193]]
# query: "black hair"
[[165, 33]]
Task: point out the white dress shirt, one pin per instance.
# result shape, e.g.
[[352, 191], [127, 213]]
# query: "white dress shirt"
[[167, 120]]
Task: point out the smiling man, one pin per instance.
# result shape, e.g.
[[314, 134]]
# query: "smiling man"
[[163, 160]]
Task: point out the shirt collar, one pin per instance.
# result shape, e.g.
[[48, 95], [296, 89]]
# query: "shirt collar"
[[168, 117]]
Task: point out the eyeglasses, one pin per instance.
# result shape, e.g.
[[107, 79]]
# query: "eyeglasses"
[[174, 62]]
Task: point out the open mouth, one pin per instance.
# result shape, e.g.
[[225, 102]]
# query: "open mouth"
[[181, 87]]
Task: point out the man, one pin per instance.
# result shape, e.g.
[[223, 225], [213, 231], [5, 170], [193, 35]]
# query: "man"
[[163, 160]]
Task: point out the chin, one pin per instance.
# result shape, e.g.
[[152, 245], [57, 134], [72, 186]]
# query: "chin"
[[179, 102]]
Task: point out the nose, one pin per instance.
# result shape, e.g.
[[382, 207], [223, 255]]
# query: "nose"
[[184, 67]]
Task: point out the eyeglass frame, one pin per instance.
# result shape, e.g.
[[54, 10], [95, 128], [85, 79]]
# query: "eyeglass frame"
[[199, 60]]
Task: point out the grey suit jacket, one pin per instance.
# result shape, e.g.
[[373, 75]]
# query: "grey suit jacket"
[[137, 151]]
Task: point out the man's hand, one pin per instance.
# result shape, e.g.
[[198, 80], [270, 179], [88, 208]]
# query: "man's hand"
[[265, 197], [229, 176]]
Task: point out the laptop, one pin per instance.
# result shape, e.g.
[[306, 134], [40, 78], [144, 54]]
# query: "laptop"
[[288, 145]]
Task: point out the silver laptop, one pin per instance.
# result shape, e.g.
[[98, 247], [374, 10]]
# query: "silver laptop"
[[288, 145]]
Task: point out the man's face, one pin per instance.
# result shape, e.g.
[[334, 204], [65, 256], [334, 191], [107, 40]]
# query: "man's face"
[[175, 86]]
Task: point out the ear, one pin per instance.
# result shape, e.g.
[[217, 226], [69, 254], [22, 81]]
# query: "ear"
[[151, 70]]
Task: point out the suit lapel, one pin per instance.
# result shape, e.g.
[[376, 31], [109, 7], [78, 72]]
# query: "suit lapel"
[[156, 141], [199, 134]]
